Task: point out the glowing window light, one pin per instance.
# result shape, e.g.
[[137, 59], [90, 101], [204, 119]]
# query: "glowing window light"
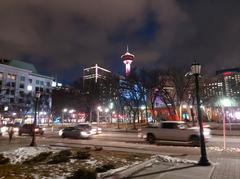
[[237, 115]]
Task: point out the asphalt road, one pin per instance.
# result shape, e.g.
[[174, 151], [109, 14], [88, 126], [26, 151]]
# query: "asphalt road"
[[123, 141]]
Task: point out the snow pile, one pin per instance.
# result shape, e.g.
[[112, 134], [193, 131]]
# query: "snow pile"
[[91, 162], [221, 149], [164, 158], [21, 154]]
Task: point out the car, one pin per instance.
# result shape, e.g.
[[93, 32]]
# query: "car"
[[27, 129], [93, 129], [173, 131], [75, 132], [5, 129]]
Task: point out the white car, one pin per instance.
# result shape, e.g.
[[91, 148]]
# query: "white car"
[[75, 132], [93, 129], [5, 129], [173, 131]]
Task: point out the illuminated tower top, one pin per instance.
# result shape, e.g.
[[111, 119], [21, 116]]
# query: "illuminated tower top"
[[127, 59]]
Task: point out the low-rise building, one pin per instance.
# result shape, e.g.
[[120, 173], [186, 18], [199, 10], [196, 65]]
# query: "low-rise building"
[[19, 82]]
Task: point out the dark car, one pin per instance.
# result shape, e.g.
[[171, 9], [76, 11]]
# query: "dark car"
[[75, 132], [27, 129]]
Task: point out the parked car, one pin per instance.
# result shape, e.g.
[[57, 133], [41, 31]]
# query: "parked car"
[[173, 131], [27, 129], [75, 132]]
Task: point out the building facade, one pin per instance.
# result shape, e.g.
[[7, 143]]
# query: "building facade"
[[225, 83], [96, 81], [19, 82]]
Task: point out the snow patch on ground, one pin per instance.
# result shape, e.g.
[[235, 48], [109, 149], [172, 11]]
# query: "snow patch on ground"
[[221, 149], [23, 153], [169, 159], [91, 162]]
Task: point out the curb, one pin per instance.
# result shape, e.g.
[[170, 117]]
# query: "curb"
[[127, 172], [212, 171]]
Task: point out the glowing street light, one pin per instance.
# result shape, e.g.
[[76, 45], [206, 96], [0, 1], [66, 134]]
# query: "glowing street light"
[[142, 107], [111, 105], [71, 111], [106, 110], [5, 108], [65, 110], [226, 102], [99, 108]]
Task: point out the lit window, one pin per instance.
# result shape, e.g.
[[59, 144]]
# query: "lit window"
[[13, 77]]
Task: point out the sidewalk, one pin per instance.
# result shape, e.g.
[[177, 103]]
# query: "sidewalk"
[[224, 168]]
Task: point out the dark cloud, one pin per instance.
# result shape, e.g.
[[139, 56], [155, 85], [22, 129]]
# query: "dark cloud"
[[59, 36]]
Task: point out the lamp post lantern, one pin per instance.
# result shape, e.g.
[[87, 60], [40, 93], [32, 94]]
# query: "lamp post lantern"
[[37, 96], [196, 70]]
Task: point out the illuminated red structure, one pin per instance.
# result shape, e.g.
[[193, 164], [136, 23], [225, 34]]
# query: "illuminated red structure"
[[127, 60]]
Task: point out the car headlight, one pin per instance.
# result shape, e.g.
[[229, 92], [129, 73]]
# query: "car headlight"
[[60, 132], [36, 129], [43, 129], [83, 133], [15, 129], [206, 133], [4, 129]]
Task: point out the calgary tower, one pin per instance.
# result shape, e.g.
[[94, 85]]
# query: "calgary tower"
[[127, 59]]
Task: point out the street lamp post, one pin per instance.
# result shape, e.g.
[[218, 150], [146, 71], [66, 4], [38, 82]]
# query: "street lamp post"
[[196, 70], [192, 115], [99, 109], [225, 102], [37, 96]]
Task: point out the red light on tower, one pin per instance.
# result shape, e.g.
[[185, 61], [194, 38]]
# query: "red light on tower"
[[127, 60]]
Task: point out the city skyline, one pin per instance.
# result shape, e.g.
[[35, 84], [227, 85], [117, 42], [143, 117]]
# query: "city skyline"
[[62, 37]]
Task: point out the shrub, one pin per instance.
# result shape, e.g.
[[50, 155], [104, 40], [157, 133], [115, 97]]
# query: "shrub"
[[62, 156], [81, 155], [58, 159], [65, 153], [105, 168], [83, 173], [39, 158], [4, 160]]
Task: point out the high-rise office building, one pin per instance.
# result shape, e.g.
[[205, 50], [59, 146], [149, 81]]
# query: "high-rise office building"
[[96, 81]]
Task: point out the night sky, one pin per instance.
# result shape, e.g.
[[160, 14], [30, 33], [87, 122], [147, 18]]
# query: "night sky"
[[60, 37]]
